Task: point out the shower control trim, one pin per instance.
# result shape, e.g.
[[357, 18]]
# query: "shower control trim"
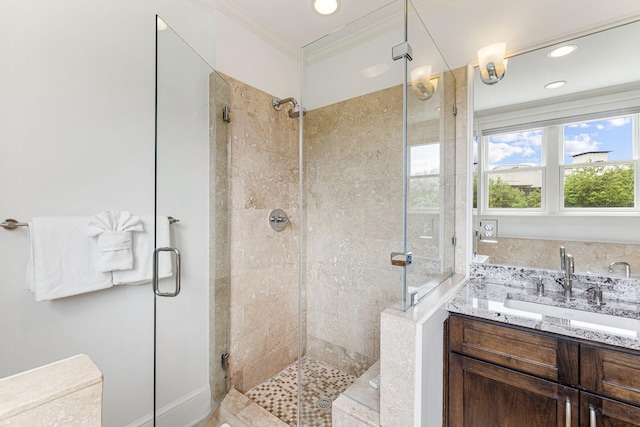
[[278, 219]]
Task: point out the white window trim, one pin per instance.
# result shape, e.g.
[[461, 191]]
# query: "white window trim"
[[585, 224]]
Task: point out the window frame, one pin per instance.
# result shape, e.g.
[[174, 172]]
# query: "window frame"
[[483, 175], [553, 167]]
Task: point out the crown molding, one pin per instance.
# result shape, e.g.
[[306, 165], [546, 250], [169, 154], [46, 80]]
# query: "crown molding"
[[356, 39], [207, 5], [244, 18]]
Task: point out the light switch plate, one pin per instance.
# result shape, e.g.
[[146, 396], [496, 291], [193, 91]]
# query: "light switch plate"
[[488, 231]]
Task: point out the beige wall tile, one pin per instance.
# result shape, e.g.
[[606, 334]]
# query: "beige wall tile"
[[264, 272]]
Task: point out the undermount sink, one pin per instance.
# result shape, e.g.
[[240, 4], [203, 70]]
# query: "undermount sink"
[[578, 318]]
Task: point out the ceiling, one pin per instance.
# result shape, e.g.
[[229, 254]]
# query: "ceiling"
[[458, 27]]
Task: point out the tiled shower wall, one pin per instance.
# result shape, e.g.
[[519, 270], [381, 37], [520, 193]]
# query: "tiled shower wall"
[[353, 204], [353, 166], [264, 272]]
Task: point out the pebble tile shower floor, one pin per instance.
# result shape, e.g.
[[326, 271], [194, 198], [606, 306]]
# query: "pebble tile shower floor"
[[321, 384]]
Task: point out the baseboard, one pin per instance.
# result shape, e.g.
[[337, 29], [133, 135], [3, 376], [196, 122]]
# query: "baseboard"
[[188, 411]]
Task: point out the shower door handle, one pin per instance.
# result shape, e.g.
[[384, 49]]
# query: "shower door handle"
[[156, 279]]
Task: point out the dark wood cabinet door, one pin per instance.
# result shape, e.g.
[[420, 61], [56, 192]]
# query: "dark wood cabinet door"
[[598, 411], [538, 354], [611, 373], [485, 395]]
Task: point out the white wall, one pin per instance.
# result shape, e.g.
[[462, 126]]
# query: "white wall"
[[77, 137], [244, 56]]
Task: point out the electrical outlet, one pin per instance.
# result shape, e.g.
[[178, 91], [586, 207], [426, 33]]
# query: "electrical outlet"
[[488, 230]]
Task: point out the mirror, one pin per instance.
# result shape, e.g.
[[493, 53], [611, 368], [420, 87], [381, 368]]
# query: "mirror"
[[558, 166]]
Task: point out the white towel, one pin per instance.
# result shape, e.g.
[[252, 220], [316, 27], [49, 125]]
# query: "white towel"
[[61, 260], [143, 245], [112, 229]]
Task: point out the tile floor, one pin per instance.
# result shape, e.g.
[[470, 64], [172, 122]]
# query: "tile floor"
[[321, 384]]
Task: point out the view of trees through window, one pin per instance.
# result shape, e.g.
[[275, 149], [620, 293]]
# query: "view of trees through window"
[[596, 163]]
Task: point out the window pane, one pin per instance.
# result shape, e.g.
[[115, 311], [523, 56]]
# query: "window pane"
[[515, 148], [424, 193], [425, 160], [606, 186], [518, 188], [599, 140]]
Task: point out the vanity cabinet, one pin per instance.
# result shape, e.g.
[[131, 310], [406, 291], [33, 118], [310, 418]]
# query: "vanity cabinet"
[[486, 395], [503, 375]]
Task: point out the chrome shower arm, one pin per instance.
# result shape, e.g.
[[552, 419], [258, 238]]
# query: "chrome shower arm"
[[277, 102]]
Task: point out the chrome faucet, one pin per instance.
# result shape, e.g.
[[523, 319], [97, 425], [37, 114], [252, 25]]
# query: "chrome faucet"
[[563, 259], [627, 267], [567, 284]]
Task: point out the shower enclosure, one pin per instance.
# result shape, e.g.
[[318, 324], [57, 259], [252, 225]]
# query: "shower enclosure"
[[377, 186]]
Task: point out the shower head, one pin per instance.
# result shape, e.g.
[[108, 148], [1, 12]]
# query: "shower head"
[[294, 113]]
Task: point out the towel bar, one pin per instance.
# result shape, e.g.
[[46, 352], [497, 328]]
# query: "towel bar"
[[12, 224]]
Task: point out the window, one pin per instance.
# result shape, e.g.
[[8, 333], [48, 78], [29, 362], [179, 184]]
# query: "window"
[[514, 170], [578, 166], [424, 176], [598, 170]]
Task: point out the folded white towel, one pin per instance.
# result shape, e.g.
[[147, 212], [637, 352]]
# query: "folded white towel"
[[143, 246], [61, 260], [113, 232]]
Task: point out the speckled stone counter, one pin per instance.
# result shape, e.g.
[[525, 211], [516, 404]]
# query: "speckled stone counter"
[[64, 393], [490, 287]]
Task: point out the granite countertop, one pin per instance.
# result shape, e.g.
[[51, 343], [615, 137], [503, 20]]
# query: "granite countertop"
[[484, 298]]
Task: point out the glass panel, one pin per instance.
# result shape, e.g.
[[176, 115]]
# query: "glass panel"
[[424, 177], [430, 215], [192, 186], [601, 186], [352, 203], [601, 140], [424, 192], [515, 188], [219, 213]]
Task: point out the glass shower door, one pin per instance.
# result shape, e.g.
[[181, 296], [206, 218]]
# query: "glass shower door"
[[191, 280], [430, 159]]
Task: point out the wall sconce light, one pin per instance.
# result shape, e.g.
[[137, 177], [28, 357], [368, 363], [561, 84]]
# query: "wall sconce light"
[[492, 63], [423, 85]]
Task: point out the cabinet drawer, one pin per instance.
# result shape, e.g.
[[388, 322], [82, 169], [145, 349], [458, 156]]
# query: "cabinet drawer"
[[610, 373], [540, 355]]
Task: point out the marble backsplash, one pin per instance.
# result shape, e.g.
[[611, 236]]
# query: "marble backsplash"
[[594, 257], [613, 288]]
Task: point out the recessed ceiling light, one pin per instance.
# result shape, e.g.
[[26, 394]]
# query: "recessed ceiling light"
[[555, 85], [375, 70], [562, 51], [325, 7]]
